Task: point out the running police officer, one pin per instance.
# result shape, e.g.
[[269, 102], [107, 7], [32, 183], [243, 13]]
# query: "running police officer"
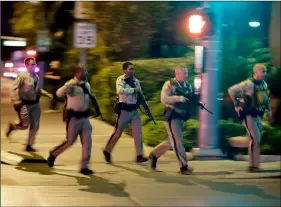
[[77, 109], [177, 111], [126, 110], [253, 102], [25, 95]]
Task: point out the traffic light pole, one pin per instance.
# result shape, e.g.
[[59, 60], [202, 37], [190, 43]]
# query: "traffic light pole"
[[208, 138]]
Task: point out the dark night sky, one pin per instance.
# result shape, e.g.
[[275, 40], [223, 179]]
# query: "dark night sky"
[[6, 14]]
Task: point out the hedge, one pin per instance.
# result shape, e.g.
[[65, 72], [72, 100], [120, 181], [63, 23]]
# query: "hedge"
[[271, 137], [151, 73]]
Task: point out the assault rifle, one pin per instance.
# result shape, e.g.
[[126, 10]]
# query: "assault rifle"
[[192, 98], [93, 101], [141, 99]]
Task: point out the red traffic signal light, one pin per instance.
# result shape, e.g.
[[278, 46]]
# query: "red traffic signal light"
[[196, 23], [201, 24]]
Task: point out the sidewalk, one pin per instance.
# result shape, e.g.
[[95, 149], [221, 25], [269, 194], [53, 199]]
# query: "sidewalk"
[[124, 152], [124, 183]]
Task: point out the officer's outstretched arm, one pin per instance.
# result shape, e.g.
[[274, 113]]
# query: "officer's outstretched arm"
[[166, 97], [120, 89]]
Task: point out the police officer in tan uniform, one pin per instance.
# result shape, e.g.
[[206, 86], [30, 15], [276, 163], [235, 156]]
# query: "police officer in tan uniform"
[[25, 95], [253, 102], [177, 112], [77, 91], [127, 113]]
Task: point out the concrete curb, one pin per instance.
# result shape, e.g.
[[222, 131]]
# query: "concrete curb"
[[13, 158]]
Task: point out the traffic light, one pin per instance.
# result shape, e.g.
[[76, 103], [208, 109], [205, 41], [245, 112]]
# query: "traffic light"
[[201, 24]]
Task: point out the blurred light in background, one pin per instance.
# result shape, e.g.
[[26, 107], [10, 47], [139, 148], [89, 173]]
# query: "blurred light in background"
[[9, 65], [12, 43], [21, 69], [31, 52], [199, 58], [10, 75], [197, 83], [254, 24]]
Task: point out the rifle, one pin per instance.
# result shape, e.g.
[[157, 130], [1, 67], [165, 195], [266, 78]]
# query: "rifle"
[[192, 98], [141, 98], [93, 101]]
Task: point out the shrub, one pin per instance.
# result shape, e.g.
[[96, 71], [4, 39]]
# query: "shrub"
[[271, 138]]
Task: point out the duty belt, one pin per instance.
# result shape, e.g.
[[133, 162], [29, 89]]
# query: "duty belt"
[[78, 114], [128, 107], [30, 102]]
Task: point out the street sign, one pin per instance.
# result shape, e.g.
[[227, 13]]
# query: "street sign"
[[84, 35], [43, 41]]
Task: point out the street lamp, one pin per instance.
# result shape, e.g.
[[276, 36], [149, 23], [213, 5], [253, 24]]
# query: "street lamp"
[[254, 24]]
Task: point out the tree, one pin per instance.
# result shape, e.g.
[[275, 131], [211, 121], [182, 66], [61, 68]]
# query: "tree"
[[26, 20], [126, 27]]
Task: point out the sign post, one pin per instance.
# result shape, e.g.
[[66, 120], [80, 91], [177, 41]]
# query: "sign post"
[[84, 38], [84, 32]]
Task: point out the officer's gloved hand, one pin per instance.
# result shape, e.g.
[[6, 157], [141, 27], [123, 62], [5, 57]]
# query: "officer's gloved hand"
[[182, 99]]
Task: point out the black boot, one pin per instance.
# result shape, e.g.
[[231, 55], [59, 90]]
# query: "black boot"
[[86, 171], [107, 156], [30, 149], [51, 160], [141, 159], [153, 162], [185, 170]]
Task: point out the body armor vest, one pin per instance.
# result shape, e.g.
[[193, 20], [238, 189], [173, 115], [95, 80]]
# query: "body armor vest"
[[182, 90]]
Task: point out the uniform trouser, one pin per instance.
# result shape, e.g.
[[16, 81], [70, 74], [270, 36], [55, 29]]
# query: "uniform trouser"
[[174, 129], [29, 116], [75, 127], [123, 119], [253, 126]]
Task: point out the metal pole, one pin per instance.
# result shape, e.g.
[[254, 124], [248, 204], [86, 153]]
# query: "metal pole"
[[83, 57], [208, 139]]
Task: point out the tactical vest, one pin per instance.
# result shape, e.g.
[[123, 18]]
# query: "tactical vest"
[[187, 93], [261, 96]]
